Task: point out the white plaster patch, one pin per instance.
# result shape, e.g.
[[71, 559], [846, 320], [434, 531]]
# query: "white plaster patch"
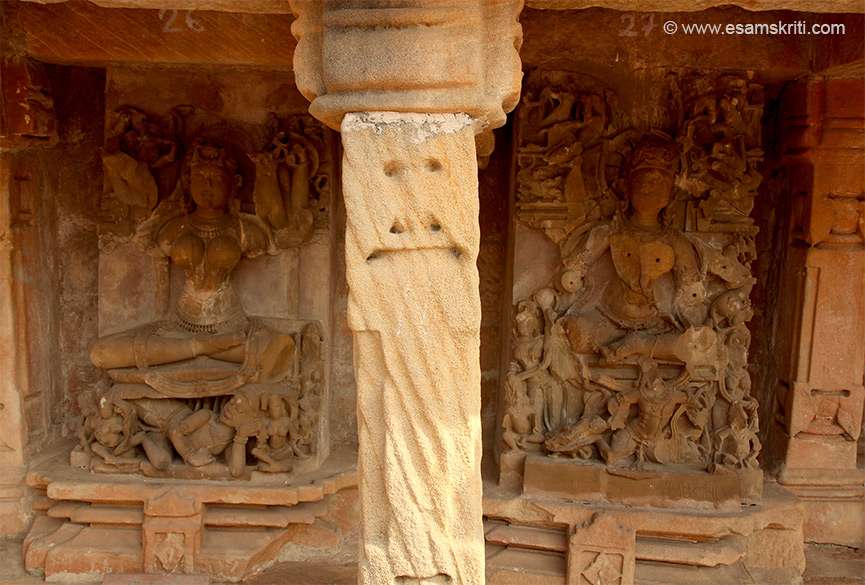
[[423, 127]]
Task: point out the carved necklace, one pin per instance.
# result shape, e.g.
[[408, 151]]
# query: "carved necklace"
[[210, 228], [623, 226]]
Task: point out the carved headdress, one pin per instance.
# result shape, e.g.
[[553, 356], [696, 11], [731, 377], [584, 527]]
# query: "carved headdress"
[[210, 152], [206, 150], [654, 152]]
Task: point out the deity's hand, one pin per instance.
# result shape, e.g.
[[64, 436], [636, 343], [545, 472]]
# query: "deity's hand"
[[249, 427], [264, 161], [166, 158], [572, 279], [206, 343], [297, 156]]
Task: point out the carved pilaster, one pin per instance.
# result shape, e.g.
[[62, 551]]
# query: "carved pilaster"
[[822, 330], [12, 427], [27, 120]]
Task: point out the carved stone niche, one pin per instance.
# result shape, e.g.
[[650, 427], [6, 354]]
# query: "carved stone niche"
[[215, 356], [199, 387], [628, 380]]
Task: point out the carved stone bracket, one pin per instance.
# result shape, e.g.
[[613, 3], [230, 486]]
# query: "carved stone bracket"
[[601, 552]]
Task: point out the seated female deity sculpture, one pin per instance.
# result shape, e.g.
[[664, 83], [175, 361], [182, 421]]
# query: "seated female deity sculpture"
[[207, 241], [651, 302]]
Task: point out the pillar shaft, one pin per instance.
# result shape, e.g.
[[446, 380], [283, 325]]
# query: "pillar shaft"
[[412, 237]]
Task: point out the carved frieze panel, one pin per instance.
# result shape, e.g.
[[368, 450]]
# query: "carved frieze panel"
[[636, 351], [207, 388], [564, 123]]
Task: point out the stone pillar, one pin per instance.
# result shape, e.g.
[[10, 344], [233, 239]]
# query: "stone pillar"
[[410, 84], [414, 307], [821, 321], [27, 123]]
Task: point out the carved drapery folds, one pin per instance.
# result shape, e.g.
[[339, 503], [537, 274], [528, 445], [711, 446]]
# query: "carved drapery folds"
[[636, 350], [208, 390]]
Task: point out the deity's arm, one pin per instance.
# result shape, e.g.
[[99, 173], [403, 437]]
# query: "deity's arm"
[[282, 191], [269, 204], [256, 237], [157, 234], [193, 422], [167, 234], [687, 264], [580, 251]]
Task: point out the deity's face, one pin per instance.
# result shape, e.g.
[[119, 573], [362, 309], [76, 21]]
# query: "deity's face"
[[527, 323], [210, 187], [650, 191], [276, 408], [239, 409]]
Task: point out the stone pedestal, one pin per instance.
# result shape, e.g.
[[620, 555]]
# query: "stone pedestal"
[[670, 487], [822, 333], [536, 538], [96, 524]]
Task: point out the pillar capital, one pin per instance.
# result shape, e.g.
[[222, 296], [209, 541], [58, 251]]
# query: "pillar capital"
[[423, 56]]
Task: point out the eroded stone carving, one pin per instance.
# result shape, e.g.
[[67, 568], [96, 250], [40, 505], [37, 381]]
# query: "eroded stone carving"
[[563, 121], [143, 160], [202, 383], [636, 352]]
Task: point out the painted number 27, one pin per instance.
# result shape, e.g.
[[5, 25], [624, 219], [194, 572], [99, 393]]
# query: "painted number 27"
[[649, 23], [172, 27]]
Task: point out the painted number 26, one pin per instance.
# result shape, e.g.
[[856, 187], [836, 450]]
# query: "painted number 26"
[[172, 27]]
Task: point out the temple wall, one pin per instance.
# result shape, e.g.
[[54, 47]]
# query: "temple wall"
[[74, 267]]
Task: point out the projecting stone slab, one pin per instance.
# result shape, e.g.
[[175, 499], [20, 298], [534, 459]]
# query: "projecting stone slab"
[[154, 579], [600, 484]]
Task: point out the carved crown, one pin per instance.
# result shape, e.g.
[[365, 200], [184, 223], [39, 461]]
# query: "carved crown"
[[210, 152], [655, 152]]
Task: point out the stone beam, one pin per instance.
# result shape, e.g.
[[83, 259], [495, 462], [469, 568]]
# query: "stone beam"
[[280, 6], [409, 86], [82, 33], [595, 41], [853, 6]]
